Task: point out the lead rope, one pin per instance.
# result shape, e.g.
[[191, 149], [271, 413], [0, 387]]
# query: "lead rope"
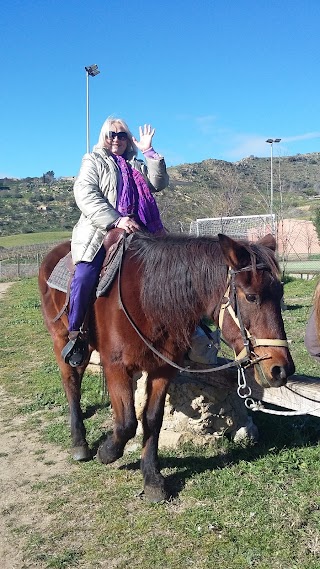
[[244, 392]]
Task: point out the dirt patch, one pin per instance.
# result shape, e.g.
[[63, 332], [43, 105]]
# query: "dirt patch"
[[25, 462], [4, 287]]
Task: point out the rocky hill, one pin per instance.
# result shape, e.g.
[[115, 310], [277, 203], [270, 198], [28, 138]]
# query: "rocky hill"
[[211, 188]]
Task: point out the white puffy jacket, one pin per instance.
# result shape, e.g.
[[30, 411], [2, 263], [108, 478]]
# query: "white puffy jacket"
[[95, 192]]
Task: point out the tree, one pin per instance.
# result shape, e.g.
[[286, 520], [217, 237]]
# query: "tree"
[[316, 222], [48, 177]]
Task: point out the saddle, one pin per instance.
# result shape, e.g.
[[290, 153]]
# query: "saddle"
[[115, 242]]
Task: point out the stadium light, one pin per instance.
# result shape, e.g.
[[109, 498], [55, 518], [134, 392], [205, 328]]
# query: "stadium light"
[[272, 141], [91, 70]]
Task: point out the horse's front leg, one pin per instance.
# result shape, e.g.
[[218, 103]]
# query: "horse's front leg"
[[154, 483], [120, 387], [71, 380]]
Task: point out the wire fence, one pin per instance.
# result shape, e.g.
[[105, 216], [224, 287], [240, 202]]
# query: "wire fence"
[[23, 262], [18, 268]]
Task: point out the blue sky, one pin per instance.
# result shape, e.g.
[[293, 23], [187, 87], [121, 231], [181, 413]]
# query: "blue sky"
[[216, 78]]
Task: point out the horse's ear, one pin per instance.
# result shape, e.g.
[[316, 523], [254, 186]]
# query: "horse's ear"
[[268, 241], [236, 255]]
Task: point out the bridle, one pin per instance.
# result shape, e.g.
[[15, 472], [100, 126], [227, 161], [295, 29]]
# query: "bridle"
[[246, 358], [249, 341]]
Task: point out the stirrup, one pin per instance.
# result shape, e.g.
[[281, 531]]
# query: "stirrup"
[[75, 351]]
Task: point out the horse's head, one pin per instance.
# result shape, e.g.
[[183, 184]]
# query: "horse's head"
[[250, 317]]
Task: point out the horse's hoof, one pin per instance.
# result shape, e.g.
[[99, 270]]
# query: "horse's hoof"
[[108, 455], [155, 493], [81, 453]]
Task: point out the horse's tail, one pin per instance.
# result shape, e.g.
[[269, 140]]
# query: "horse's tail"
[[316, 303]]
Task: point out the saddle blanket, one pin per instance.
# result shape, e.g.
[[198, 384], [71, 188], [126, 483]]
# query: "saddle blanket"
[[62, 274]]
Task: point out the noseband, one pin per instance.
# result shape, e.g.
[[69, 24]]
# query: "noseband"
[[249, 341]]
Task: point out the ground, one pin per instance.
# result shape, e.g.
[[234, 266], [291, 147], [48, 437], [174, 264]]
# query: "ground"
[[21, 466]]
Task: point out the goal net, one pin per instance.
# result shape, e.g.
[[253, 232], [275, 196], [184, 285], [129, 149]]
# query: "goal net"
[[250, 227]]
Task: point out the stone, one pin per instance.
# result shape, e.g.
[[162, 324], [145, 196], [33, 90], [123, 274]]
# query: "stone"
[[198, 412], [198, 408]]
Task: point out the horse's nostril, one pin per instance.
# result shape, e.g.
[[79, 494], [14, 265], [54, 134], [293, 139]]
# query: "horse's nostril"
[[279, 371], [279, 375]]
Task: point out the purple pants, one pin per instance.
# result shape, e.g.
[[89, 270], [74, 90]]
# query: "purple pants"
[[83, 284]]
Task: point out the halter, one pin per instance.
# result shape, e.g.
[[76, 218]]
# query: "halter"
[[249, 341]]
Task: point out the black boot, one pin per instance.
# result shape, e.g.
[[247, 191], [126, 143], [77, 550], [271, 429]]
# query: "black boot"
[[76, 350]]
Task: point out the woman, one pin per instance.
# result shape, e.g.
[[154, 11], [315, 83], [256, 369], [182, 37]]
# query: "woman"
[[311, 339], [113, 189]]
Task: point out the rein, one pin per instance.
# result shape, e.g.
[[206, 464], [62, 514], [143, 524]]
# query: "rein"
[[237, 363], [242, 360]]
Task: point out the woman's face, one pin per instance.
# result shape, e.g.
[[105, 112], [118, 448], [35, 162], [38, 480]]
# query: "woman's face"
[[117, 144]]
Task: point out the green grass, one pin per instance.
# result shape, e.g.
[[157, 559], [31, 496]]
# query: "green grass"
[[233, 507], [22, 239]]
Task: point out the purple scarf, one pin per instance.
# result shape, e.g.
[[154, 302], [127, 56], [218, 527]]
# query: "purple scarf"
[[135, 198]]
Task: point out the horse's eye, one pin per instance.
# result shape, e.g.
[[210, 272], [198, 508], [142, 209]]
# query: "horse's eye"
[[252, 298]]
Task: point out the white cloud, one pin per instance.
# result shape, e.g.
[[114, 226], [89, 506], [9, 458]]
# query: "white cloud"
[[306, 136], [225, 144], [242, 145], [206, 124]]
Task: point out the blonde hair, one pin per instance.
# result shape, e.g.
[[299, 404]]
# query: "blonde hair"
[[131, 149]]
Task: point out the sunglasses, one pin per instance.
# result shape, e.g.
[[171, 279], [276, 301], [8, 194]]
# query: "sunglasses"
[[120, 135]]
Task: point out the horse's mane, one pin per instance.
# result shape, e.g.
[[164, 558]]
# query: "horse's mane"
[[182, 274]]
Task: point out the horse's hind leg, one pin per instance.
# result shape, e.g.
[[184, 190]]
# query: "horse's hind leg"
[[120, 387], [71, 380], [154, 484], [51, 303]]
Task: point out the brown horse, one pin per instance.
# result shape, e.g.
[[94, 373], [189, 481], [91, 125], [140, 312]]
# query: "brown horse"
[[166, 284]]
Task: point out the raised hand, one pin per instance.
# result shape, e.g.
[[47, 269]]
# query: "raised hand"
[[146, 133]]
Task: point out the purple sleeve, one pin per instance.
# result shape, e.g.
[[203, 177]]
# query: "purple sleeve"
[[151, 153]]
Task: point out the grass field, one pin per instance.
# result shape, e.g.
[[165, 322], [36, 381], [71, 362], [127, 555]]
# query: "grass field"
[[232, 507], [313, 266], [23, 239]]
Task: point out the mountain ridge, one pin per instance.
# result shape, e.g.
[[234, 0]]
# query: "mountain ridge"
[[210, 188]]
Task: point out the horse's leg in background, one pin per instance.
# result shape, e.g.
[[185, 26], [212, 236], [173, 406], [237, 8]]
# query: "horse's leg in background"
[[154, 484], [71, 380], [52, 302], [120, 387]]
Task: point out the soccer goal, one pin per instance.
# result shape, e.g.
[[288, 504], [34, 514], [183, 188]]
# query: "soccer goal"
[[250, 227]]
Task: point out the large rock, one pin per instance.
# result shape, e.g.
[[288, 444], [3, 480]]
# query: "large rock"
[[199, 412], [199, 408]]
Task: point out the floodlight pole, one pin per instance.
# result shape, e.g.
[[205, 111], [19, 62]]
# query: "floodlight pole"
[[91, 70], [88, 131], [271, 141]]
